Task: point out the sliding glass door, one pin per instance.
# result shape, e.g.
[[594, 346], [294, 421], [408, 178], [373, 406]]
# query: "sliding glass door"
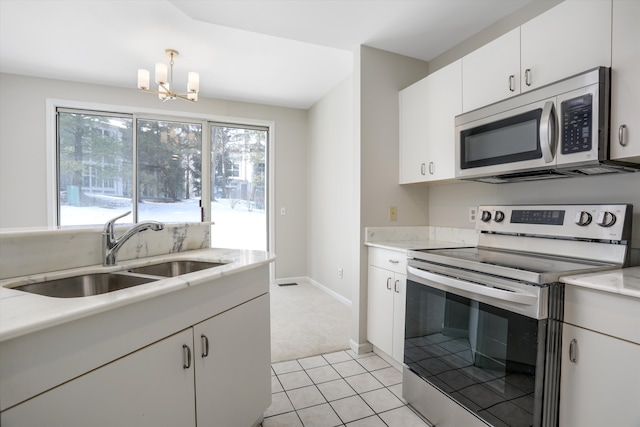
[[238, 186], [111, 163], [169, 170]]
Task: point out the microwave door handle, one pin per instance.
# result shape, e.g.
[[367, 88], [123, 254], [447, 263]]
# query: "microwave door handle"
[[446, 283], [548, 132]]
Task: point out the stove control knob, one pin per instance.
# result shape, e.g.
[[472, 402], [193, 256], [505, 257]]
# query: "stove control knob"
[[486, 216], [583, 218], [498, 216], [606, 219]]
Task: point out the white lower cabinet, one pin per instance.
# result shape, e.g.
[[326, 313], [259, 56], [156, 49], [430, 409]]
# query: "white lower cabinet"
[[233, 375], [217, 372], [601, 385], [150, 387], [386, 301]]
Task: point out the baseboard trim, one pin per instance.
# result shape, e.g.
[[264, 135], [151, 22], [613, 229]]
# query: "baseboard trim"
[[323, 288], [360, 348]]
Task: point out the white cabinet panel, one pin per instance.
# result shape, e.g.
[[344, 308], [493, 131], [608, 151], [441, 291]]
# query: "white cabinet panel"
[[568, 39], [233, 381], [492, 72], [413, 140], [162, 393], [380, 309], [625, 81], [427, 135], [602, 386], [386, 301]]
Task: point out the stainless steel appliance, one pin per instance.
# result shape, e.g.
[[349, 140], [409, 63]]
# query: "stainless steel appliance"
[[483, 324], [556, 131]]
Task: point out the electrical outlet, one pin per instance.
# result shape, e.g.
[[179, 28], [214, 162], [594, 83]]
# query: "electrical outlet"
[[340, 273], [473, 213], [393, 213]]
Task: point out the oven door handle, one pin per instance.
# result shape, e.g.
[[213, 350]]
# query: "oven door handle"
[[445, 283]]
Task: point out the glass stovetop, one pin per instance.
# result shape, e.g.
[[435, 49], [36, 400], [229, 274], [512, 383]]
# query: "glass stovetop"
[[518, 265]]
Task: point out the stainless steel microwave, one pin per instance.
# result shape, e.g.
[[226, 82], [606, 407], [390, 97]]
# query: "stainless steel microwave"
[[556, 131]]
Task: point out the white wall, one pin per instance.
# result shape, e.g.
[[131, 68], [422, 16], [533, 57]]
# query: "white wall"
[[332, 224], [378, 77], [23, 177]]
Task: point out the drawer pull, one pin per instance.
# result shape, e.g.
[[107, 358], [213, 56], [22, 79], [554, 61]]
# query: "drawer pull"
[[205, 345], [622, 130], [186, 355], [573, 351], [512, 81], [394, 261]]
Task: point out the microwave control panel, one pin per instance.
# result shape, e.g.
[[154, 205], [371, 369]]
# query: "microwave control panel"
[[576, 124]]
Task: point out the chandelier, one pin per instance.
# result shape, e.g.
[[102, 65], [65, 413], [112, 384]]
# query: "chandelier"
[[164, 79]]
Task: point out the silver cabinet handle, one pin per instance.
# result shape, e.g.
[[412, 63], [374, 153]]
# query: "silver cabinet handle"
[[423, 169], [431, 168], [389, 283], [394, 261], [512, 83], [573, 351], [622, 132], [186, 356], [527, 76], [548, 132], [204, 341], [396, 287]]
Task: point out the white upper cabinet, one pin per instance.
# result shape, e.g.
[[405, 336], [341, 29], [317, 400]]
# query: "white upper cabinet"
[[427, 135], [413, 144], [568, 39], [625, 82], [492, 72]]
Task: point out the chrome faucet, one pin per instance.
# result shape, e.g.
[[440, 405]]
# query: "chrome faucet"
[[111, 244]]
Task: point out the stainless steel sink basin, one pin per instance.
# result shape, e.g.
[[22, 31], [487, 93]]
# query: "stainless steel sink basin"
[[175, 268], [85, 285]]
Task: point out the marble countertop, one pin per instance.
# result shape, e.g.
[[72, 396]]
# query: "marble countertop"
[[405, 245], [624, 281], [22, 312]]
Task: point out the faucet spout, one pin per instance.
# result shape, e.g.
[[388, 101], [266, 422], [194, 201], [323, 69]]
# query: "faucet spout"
[[111, 245]]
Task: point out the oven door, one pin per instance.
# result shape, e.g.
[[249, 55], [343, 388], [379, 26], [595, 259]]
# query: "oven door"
[[490, 360]]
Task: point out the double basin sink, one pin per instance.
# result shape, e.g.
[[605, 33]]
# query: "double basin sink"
[[101, 283]]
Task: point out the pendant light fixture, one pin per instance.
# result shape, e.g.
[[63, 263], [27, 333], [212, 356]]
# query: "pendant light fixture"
[[164, 79]]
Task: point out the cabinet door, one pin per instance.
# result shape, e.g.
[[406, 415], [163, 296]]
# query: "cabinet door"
[[150, 387], [413, 139], [570, 38], [233, 378], [602, 386], [399, 308], [492, 72], [380, 309], [444, 103], [625, 84]]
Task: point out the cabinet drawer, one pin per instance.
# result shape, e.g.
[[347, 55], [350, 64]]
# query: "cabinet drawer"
[[603, 312], [395, 261]]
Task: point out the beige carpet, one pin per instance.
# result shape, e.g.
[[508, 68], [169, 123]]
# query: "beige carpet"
[[305, 321]]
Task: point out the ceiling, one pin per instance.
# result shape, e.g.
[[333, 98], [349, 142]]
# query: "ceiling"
[[278, 52]]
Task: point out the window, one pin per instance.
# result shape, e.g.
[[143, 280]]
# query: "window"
[[95, 171], [169, 166], [110, 163]]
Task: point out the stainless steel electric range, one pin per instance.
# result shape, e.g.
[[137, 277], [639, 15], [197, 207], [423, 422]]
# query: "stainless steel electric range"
[[483, 324]]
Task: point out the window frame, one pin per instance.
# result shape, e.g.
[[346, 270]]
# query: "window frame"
[[52, 106]]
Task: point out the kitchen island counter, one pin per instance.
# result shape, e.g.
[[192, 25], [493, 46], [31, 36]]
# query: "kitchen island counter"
[[22, 312]]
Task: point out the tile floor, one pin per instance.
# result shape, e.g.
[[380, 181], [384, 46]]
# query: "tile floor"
[[338, 389]]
